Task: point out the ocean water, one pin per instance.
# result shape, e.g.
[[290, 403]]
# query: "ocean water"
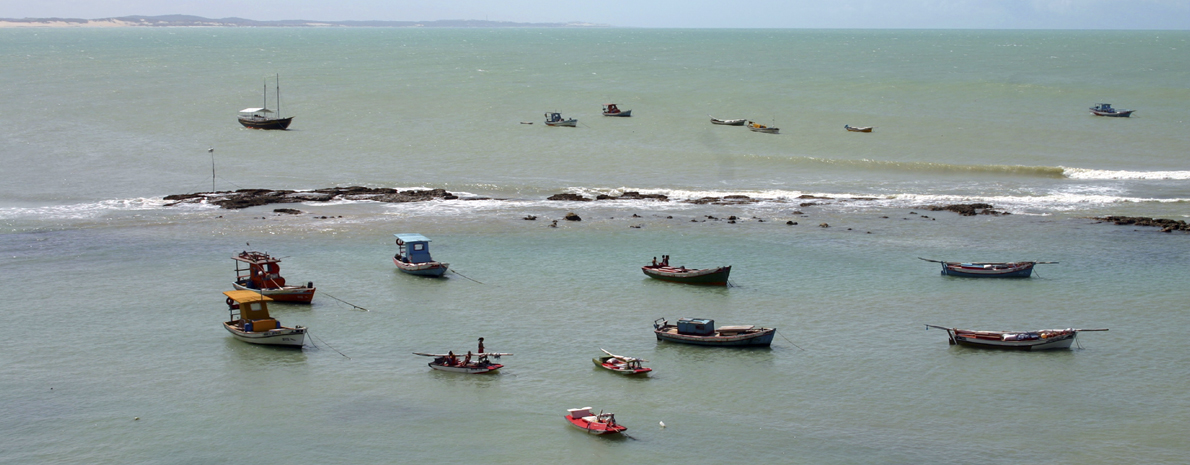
[[114, 301]]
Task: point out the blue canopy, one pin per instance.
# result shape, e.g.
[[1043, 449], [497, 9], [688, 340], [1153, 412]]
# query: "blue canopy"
[[407, 237]]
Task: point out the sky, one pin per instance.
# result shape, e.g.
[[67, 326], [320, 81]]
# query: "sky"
[[859, 14]]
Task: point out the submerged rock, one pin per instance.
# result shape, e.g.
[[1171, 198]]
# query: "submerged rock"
[[245, 198]]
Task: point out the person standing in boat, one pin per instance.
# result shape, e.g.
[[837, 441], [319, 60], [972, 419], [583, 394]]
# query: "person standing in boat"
[[481, 345]]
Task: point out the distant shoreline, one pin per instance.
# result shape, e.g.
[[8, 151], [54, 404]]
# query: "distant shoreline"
[[198, 21]]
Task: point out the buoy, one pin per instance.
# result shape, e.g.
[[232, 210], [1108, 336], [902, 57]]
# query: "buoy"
[[135, 418], [662, 424]]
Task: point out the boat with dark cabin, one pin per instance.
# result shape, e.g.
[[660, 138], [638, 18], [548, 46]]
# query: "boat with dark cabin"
[[260, 118], [987, 269], [413, 256], [681, 274], [260, 272], [610, 109], [249, 321], [555, 120], [1105, 109], [702, 331], [1041, 339]]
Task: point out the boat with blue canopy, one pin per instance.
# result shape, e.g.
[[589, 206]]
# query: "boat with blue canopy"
[[413, 256]]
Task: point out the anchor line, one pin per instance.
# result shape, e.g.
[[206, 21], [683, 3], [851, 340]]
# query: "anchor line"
[[346, 302], [787, 340], [328, 345], [461, 274]]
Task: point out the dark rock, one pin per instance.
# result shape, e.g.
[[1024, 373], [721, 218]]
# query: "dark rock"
[[1166, 225], [791, 223], [530, 218], [807, 204], [970, 209], [288, 211], [732, 218], [824, 225], [572, 217], [808, 196], [568, 197]]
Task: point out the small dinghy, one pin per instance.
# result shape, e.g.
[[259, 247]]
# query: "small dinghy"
[[988, 269], [728, 122], [681, 274], [1105, 109], [470, 363], [855, 129], [757, 127], [1041, 339], [621, 364], [603, 423], [611, 109]]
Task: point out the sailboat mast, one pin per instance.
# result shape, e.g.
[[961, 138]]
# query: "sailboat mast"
[[278, 95], [264, 86]]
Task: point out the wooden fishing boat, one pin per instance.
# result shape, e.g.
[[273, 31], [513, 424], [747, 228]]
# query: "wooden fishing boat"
[[556, 120], [757, 127], [702, 331], [855, 129], [249, 321], [599, 424], [1105, 109], [470, 363], [413, 256], [1041, 339], [261, 273], [988, 269], [610, 109], [681, 274], [260, 118], [621, 364], [728, 122]]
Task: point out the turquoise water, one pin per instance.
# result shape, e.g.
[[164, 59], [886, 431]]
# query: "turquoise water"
[[114, 304]]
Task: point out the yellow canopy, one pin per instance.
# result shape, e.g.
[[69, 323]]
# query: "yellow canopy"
[[243, 297]]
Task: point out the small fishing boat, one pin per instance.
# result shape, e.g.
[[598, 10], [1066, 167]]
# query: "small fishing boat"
[[470, 363], [1105, 109], [757, 127], [621, 364], [681, 274], [702, 331], [610, 109], [600, 424], [1041, 339], [413, 256], [249, 321], [556, 120], [988, 269], [855, 129], [261, 273], [261, 118], [728, 122]]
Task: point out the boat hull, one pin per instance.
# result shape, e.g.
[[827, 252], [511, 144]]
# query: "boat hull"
[[1023, 270], [704, 277], [1061, 342], [603, 362], [284, 294], [264, 123], [285, 337], [593, 427], [430, 269], [1114, 114], [765, 130], [728, 122], [855, 129], [471, 369], [757, 338], [622, 113], [570, 123]]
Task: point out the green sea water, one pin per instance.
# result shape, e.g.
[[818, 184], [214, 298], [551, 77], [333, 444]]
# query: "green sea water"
[[114, 302]]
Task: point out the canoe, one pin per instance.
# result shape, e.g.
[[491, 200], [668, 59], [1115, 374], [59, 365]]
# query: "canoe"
[[680, 274], [1041, 339], [855, 129]]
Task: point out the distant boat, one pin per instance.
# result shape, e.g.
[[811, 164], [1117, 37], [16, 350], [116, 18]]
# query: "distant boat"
[[1041, 339], [621, 364], [987, 269], [1105, 109], [259, 118], [757, 127], [610, 109], [261, 272], [707, 276], [470, 363], [413, 256], [855, 129], [249, 321], [555, 119], [728, 122], [702, 331], [600, 424]]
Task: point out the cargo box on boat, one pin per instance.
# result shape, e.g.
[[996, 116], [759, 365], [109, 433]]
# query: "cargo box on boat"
[[698, 326]]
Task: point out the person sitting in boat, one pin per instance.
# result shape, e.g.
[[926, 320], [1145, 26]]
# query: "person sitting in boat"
[[451, 359], [467, 359]]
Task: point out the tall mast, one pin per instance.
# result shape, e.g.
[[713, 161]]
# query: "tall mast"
[[278, 95], [265, 93]]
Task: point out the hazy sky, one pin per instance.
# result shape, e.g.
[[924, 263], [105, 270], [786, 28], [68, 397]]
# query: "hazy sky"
[[998, 14]]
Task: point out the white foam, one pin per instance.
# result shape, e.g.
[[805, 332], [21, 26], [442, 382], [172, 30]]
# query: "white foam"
[[1085, 173]]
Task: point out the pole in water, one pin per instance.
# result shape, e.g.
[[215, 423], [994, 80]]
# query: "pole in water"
[[212, 152]]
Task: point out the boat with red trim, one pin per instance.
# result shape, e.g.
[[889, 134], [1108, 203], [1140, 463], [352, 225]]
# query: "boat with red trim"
[[599, 424], [470, 363], [987, 269], [621, 364], [702, 331], [413, 256], [260, 272]]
